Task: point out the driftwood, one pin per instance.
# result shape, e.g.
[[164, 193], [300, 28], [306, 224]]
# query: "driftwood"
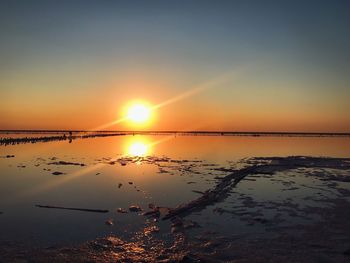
[[271, 165], [73, 208]]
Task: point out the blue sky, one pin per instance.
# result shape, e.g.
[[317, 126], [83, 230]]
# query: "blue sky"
[[60, 57]]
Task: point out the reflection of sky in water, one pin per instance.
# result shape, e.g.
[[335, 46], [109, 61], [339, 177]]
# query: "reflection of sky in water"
[[27, 180]]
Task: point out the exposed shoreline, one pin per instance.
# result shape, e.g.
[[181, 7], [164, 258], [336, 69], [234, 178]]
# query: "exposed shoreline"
[[325, 240]]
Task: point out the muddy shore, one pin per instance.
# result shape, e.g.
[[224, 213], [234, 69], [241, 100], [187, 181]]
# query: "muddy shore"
[[326, 239]]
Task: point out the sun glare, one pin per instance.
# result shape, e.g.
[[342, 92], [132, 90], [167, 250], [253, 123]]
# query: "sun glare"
[[139, 113], [138, 149]]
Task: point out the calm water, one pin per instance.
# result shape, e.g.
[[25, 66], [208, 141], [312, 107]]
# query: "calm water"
[[194, 161]]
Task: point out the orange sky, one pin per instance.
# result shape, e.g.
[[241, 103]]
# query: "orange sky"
[[76, 67]]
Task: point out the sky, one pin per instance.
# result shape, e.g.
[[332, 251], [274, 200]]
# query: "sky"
[[222, 65]]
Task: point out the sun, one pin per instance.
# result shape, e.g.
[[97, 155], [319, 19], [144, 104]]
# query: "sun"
[[139, 113]]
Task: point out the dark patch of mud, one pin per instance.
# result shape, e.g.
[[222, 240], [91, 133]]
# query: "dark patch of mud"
[[325, 241], [66, 163], [7, 156], [267, 166], [57, 173]]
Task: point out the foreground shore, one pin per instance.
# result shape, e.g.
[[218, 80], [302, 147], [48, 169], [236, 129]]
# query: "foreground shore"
[[315, 232]]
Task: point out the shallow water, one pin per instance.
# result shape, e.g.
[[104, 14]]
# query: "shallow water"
[[177, 166]]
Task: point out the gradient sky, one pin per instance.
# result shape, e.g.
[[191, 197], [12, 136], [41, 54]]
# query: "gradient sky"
[[283, 65]]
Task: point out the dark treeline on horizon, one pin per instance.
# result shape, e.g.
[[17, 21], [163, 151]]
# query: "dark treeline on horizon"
[[73, 135]]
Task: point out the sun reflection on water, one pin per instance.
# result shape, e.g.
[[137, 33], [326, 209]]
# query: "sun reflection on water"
[[138, 148]]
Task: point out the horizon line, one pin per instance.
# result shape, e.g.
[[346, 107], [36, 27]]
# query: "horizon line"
[[174, 132]]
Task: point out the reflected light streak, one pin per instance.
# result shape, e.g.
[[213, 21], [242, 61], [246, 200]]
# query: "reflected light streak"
[[200, 88], [107, 125]]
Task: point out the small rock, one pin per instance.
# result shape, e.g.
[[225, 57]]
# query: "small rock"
[[151, 229], [130, 182], [134, 208], [99, 246], [120, 185], [57, 173]]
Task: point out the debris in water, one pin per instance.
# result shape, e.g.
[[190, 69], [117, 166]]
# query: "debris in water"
[[57, 173], [135, 208], [66, 163], [7, 156], [109, 222], [154, 212], [121, 210], [198, 192], [151, 229], [73, 208]]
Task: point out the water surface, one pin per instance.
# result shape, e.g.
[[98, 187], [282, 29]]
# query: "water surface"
[[163, 170]]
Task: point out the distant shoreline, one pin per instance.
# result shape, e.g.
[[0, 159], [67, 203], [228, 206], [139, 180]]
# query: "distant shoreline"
[[185, 133]]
